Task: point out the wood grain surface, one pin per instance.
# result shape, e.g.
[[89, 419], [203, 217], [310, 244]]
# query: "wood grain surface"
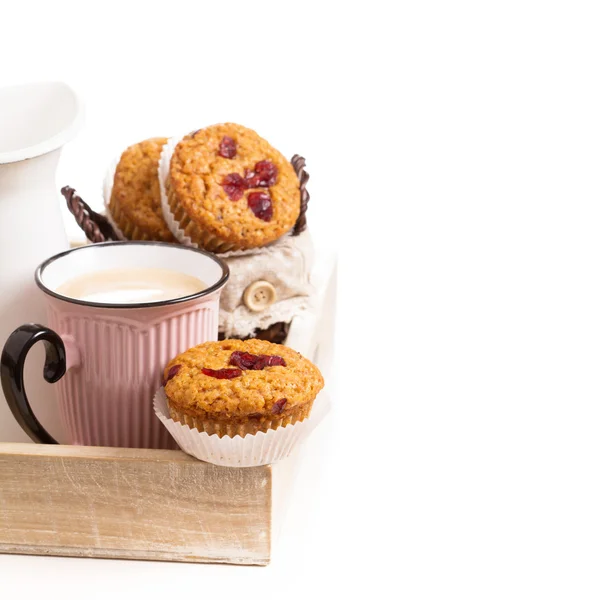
[[129, 503]]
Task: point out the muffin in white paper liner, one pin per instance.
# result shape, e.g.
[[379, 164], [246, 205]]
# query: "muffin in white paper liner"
[[249, 451], [163, 172], [107, 187]]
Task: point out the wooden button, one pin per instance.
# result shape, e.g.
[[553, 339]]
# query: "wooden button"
[[259, 295]]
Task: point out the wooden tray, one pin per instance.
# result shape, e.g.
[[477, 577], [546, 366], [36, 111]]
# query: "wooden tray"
[[129, 503]]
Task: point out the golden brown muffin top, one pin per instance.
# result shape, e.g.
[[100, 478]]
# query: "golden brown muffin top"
[[235, 185], [136, 192], [192, 387]]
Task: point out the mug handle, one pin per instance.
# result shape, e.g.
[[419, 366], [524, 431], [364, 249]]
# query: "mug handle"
[[12, 364]]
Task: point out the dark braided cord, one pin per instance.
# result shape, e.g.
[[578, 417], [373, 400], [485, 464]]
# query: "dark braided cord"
[[299, 163], [96, 227]]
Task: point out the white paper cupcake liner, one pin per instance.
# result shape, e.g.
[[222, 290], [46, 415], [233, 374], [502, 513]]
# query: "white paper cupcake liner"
[[250, 451], [109, 179], [172, 223]]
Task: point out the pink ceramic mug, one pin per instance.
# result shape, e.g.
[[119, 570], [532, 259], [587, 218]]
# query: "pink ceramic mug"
[[107, 359]]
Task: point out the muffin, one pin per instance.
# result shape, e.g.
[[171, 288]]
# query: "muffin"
[[134, 203], [229, 189], [236, 387]]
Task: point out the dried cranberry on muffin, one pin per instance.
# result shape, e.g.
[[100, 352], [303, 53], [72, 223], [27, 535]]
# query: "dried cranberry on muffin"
[[236, 387], [229, 189], [134, 204]]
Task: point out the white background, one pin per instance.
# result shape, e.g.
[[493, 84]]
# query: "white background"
[[454, 150]]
